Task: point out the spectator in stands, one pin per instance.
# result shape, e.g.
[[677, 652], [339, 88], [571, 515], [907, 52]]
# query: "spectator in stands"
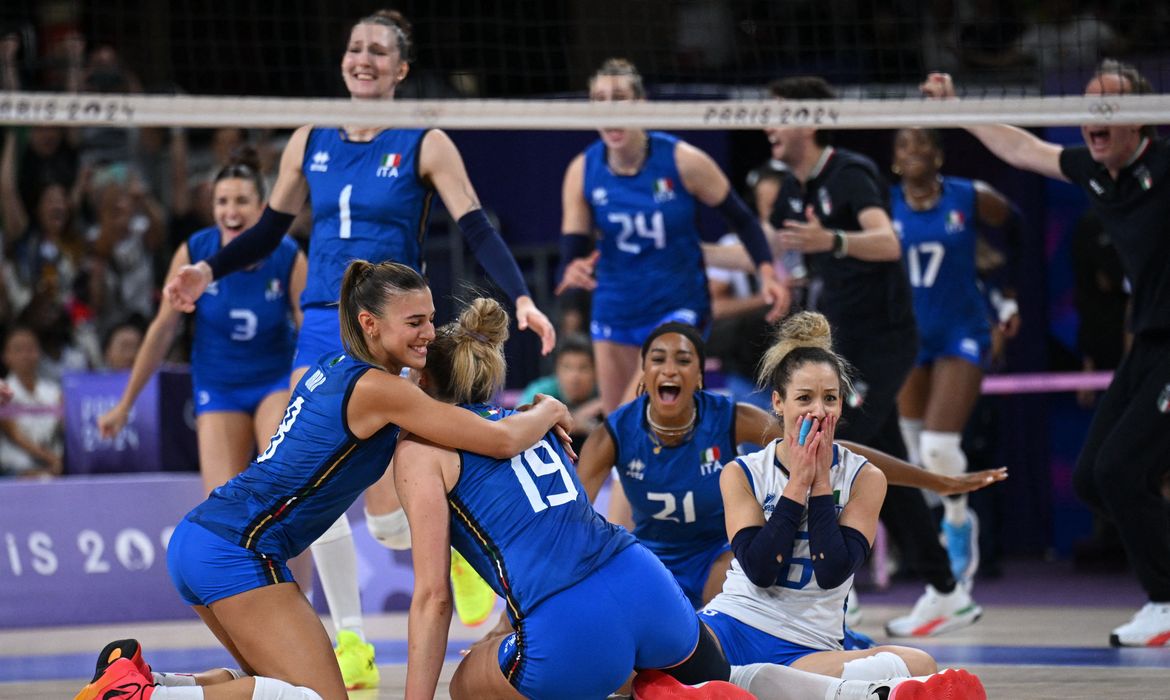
[[121, 343], [574, 383], [121, 247], [42, 247], [31, 443], [68, 340]]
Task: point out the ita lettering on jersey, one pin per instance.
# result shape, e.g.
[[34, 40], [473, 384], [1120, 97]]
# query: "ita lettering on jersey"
[[663, 189], [956, 222], [389, 165], [320, 162], [273, 291], [710, 463]]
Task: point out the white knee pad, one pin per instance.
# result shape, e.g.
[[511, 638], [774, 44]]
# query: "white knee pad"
[[272, 689], [879, 667], [392, 529], [337, 531], [942, 453], [911, 435]]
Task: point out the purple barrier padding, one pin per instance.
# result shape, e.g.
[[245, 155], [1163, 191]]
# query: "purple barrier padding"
[[1046, 382], [90, 550], [159, 435]]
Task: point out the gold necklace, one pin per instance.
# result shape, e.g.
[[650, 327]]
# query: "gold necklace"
[[668, 432]]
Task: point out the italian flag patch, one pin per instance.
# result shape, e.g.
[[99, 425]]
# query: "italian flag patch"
[[391, 160], [711, 454]]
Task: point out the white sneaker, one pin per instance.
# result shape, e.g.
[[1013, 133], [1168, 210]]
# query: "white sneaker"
[[936, 613], [948, 684], [852, 609], [1149, 627]]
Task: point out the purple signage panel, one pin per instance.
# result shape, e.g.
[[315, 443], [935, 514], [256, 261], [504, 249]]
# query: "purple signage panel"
[[159, 436], [86, 550]]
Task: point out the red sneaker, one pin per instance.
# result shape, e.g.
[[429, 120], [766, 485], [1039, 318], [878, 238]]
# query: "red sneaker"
[[948, 684], [120, 681], [122, 649], [656, 685]]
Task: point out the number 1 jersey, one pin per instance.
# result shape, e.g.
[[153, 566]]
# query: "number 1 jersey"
[[369, 203]]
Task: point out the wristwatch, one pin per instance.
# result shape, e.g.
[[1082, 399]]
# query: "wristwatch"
[[840, 245]]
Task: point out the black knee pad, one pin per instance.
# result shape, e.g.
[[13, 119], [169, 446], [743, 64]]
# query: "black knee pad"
[[707, 663]]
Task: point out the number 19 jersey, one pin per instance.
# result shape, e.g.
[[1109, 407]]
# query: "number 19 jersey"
[[369, 203], [651, 261], [525, 524]]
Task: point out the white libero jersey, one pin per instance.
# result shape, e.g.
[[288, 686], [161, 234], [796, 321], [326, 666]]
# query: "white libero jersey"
[[796, 608]]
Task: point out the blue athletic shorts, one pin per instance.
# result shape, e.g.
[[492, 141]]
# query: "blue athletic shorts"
[[205, 567], [320, 333], [584, 641], [636, 335], [244, 398], [966, 341], [743, 644], [691, 570]]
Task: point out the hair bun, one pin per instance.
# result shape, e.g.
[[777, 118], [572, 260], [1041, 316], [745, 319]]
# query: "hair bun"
[[246, 155], [485, 321]]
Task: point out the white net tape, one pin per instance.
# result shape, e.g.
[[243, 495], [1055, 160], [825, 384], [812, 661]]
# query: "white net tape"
[[256, 112]]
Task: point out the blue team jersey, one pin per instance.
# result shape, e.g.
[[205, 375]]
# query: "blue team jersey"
[[368, 203], [312, 470], [525, 523], [674, 491], [651, 261], [939, 246], [243, 327]]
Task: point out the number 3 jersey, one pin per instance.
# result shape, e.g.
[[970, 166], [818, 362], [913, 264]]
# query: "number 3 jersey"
[[796, 608], [525, 524], [243, 327], [369, 203], [651, 261], [312, 470], [674, 491]]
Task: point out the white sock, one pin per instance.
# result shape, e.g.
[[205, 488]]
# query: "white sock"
[[336, 561], [911, 430], [174, 680], [163, 692], [880, 666], [272, 689], [942, 453], [775, 682]]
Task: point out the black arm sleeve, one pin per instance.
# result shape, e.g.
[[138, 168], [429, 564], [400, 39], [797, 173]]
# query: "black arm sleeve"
[[837, 550], [747, 226], [764, 552], [491, 252], [253, 245]]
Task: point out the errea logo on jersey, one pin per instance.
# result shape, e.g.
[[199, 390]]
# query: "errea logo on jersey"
[[600, 196], [636, 469], [273, 291], [320, 162], [388, 167]]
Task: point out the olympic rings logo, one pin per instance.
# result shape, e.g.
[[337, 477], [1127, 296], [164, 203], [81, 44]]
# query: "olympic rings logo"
[[1104, 109]]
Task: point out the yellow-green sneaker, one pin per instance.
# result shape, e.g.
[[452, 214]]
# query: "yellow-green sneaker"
[[356, 659], [474, 599]]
